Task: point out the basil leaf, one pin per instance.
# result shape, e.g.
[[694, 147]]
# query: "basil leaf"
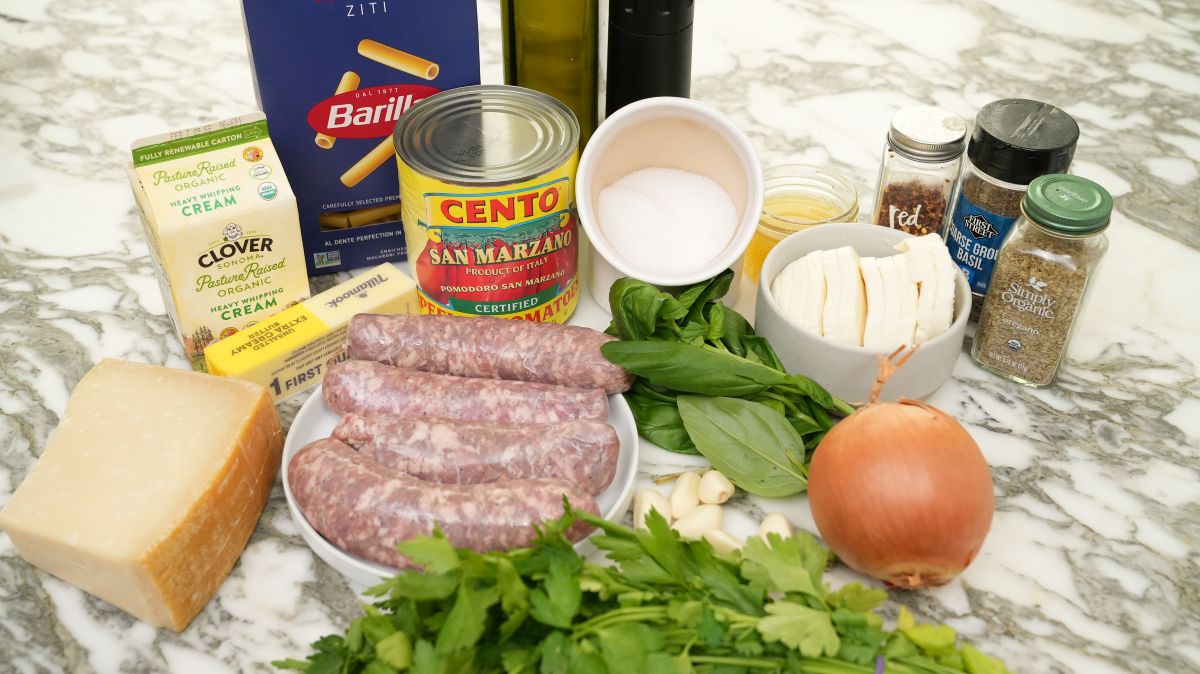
[[713, 290], [736, 329], [635, 306], [752, 444], [759, 350], [659, 422], [818, 394], [692, 369]]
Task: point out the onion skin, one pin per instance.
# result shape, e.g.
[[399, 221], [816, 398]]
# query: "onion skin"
[[901, 492]]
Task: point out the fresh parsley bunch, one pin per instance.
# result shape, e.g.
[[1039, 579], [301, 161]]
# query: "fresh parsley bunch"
[[665, 606]]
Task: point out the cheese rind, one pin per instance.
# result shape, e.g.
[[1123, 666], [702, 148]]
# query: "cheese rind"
[[150, 487]]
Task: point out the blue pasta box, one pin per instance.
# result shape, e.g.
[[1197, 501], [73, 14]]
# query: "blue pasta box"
[[333, 78]]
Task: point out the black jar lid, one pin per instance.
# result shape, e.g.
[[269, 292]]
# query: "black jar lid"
[[1017, 140]]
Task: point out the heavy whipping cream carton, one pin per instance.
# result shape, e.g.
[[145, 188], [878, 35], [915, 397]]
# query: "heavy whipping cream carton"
[[333, 79], [220, 220]]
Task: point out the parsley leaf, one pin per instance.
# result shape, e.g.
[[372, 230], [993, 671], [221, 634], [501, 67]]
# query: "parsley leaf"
[[805, 629]]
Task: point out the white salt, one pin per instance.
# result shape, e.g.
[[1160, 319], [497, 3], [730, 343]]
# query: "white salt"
[[666, 221]]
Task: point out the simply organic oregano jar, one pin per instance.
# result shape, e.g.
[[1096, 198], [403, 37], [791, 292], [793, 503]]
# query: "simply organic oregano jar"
[[1042, 272]]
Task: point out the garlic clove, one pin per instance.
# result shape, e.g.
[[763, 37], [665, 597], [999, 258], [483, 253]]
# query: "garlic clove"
[[714, 487], [774, 523], [685, 495], [698, 520], [646, 500], [722, 542]]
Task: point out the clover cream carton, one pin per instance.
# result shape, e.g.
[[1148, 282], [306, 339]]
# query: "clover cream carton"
[[221, 222]]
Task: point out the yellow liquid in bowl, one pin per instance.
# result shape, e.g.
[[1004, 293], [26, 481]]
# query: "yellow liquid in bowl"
[[785, 214]]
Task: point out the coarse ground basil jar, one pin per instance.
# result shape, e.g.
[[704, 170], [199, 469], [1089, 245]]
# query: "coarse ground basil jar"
[[1015, 140], [1041, 276]]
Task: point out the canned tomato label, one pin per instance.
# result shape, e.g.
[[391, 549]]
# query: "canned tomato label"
[[487, 190]]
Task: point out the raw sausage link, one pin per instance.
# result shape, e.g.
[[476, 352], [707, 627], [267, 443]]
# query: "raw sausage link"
[[365, 508], [371, 388], [582, 452], [483, 346]]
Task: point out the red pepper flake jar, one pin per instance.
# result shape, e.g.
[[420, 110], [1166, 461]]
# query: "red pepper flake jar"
[[921, 161]]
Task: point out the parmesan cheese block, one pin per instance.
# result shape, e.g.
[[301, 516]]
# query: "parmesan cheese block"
[[149, 489]]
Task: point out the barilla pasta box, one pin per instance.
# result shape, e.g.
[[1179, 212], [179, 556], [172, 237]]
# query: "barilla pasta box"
[[333, 79], [221, 223], [291, 351]]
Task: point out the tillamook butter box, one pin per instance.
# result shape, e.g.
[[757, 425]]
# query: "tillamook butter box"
[[333, 78], [220, 219], [291, 351]]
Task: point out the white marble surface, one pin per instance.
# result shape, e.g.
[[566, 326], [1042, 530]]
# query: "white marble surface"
[[1092, 563]]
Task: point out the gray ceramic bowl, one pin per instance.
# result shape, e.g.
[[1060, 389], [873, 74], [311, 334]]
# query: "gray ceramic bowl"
[[846, 371]]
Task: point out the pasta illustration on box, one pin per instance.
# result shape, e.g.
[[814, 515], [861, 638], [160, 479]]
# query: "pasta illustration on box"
[[333, 84]]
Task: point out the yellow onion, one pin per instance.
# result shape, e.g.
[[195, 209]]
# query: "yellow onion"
[[901, 492]]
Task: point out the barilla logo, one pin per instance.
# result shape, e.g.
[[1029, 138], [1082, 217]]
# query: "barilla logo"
[[366, 113], [359, 290], [500, 211], [979, 227]]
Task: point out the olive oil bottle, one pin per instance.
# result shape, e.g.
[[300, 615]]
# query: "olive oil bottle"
[[550, 46]]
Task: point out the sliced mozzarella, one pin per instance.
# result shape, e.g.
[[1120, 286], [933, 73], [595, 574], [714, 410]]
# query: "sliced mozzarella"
[[846, 302], [800, 291], [814, 297], [875, 328], [900, 282]]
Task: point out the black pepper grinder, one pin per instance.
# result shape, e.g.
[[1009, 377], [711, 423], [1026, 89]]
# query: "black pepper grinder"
[[649, 50]]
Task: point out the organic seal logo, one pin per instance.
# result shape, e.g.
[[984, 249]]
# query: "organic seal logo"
[[1014, 344], [232, 232], [979, 226]]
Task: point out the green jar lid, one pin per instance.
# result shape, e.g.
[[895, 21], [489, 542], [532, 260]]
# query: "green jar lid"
[[1068, 204]]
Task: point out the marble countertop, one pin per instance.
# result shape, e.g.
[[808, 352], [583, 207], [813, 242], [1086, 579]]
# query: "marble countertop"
[[1092, 565]]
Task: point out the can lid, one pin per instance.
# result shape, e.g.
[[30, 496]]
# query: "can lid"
[[486, 135], [1068, 204], [1017, 140], [926, 133], [657, 17]]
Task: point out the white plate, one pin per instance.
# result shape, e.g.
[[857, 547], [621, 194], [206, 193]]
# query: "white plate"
[[315, 421]]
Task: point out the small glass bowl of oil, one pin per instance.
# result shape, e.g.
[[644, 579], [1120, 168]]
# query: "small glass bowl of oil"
[[797, 196]]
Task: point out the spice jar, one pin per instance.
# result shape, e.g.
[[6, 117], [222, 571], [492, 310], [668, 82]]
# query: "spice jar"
[[921, 160], [1015, 140], [795, 197], [1040, 279]]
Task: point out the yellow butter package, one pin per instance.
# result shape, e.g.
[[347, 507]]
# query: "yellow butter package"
[[291, 351]]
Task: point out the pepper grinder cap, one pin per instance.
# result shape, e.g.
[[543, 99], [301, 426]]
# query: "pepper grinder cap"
[[651, 17], [925, 133], [1017, 140], [1068, 204]]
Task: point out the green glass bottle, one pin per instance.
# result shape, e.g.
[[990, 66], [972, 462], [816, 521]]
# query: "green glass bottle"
[[550, 46]]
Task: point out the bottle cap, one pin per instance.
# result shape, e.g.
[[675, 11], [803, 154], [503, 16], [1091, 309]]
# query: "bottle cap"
[[1068, 204], [926, 133], [651, 17], [1017, 140]]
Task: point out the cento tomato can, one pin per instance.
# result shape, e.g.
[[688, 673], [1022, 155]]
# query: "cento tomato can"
[[488, 199]]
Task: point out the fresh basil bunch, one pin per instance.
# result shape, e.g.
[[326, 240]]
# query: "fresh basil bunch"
[[708, 385]]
